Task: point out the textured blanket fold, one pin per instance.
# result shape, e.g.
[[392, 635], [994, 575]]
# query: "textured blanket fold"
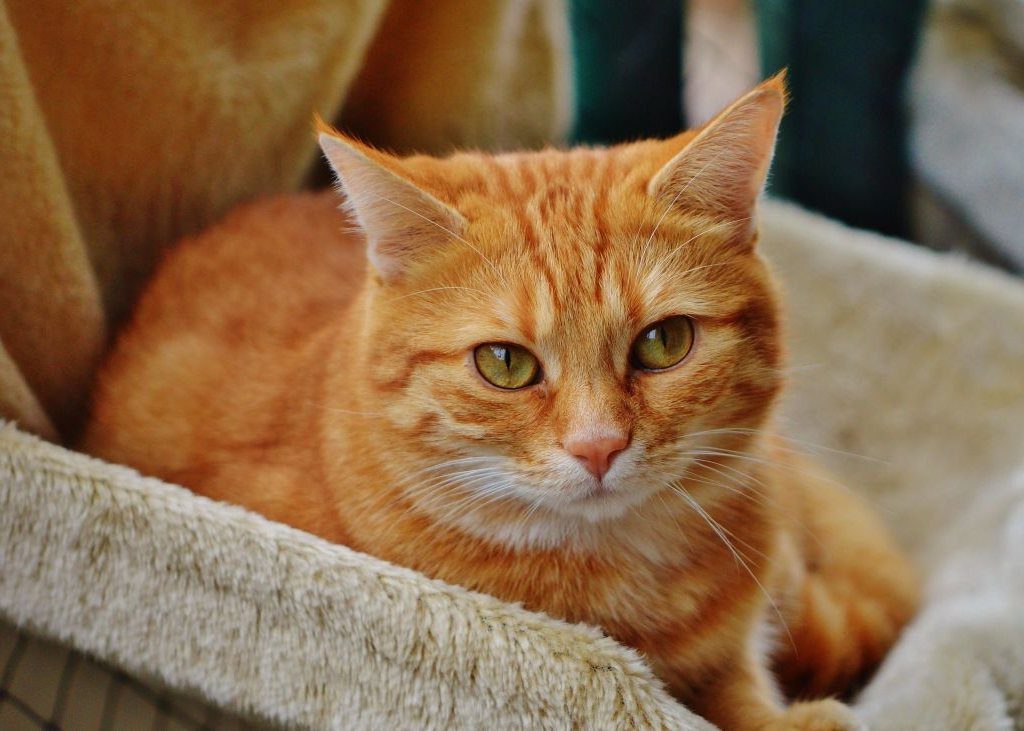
[[267, 620], [907, 373]]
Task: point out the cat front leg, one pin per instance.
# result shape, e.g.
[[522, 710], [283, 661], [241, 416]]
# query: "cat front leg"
[[737, 700], [742, 695], [851, 593]]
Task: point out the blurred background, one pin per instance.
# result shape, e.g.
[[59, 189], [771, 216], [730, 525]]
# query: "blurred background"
[[125, 126], [906, 117]]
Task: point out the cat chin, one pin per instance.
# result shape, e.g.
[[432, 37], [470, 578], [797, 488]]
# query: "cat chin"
[[598, 507], [582, 522], [544, 530], [585, 499]]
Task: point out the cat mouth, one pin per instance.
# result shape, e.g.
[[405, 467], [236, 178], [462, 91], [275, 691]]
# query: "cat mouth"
[[602, 493], [597, 503], [596, 490]]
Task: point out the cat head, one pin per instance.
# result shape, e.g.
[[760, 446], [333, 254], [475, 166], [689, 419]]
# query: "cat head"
[[563, 332]]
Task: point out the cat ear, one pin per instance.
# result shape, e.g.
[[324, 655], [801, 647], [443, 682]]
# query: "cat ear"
[[723, 168], [402, 223]]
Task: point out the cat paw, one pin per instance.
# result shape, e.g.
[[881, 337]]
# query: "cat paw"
[[824, 715]]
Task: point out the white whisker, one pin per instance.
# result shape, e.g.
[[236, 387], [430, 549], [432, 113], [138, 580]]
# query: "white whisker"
[[438, 289], [766, 432], [678, 194], [721, 533], [709, 229], [449, 232]]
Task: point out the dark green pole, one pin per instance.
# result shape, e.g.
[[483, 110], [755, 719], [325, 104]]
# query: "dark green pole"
[[628, 69], [842, 148]]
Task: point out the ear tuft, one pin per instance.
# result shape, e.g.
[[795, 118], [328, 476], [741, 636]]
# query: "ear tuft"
[[723, 168], [402, 223]]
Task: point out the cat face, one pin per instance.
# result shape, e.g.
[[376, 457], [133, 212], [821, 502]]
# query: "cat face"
[[562, 332]]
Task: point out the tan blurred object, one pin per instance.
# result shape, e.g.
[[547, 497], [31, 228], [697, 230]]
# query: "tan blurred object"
[[721, 56], [450, 69], [967, 129], [127, 125]]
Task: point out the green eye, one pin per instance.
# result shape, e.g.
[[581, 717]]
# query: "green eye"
[[663, 344], [506, 365]]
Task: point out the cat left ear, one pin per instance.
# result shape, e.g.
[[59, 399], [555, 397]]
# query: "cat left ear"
[[723, 169], [402, 223]]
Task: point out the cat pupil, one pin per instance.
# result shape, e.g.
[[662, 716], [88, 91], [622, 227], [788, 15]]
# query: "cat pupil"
[[503, 354]]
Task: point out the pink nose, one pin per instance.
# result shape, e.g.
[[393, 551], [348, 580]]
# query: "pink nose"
[[596, 452]]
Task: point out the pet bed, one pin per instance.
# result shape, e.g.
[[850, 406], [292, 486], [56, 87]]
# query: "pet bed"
[[907, 379]]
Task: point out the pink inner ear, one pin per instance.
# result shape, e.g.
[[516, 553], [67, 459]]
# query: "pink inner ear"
[[723, 169], [402, 222]]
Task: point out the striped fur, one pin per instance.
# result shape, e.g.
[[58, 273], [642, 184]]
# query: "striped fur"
[[290, 376]]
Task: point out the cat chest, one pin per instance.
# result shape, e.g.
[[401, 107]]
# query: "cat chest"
[[623, 597]]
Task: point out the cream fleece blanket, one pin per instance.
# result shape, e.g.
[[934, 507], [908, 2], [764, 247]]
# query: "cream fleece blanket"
[[912, 361], [915, 361]]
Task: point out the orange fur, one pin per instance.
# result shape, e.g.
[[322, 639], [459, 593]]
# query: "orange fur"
[[270, 366]]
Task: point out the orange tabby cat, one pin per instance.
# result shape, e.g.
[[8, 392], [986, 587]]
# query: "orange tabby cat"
[[547, 376]]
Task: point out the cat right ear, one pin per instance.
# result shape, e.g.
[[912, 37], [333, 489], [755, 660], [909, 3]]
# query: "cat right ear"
[[722, 169], [401, 222]]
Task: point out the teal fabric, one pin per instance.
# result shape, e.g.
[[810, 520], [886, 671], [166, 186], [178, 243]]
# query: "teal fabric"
[[842, 148], [628, 69]]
